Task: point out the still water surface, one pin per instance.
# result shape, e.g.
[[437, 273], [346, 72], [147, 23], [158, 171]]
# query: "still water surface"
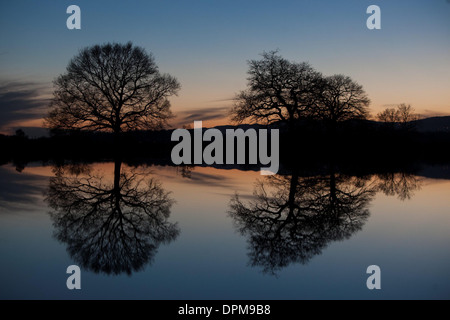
[[161, 232]]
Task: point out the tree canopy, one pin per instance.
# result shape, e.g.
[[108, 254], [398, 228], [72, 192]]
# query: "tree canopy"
[[110, 227], [278, 90], [402, 114], [112, 87], [281, 90], [342, 99]]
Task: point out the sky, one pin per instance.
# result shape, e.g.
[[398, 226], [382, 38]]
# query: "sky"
[[206, 44]]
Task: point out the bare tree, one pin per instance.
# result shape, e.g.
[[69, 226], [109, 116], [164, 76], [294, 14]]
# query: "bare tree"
[[291, 219], [404, 115], [342, 99], [407, 116], [401, 184], [110, 227], [278, 90], [388, 115], [111, 87]]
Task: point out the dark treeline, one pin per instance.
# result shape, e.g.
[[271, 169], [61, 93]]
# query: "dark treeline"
[[355, 144], [84, 146]]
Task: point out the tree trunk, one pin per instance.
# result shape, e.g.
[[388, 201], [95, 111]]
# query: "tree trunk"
[[333, 189], [292, 193], [117, 168]]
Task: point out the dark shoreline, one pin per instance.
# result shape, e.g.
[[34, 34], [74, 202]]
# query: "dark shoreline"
[[356, 148]]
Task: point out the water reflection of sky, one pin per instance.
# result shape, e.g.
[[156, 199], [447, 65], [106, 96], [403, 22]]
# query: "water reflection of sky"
[[210, 260]]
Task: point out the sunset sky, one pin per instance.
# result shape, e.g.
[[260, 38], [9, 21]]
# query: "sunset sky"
[[206, 45]]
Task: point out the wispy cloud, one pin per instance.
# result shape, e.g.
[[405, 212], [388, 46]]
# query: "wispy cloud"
[[431, 113], [224, 100], [202, 114], [20, 190], [22, 101], [216, 180]]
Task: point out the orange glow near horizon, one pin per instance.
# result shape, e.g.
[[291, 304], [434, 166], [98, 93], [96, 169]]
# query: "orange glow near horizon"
[[437, 108]]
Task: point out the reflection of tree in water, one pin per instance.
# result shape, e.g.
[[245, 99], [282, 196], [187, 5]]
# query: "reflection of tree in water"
[[185, 170], [294, 218], [401, 184], [111, 227]]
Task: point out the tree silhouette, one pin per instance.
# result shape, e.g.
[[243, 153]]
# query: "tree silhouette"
[[293, 218], [278, 90], [112, 87], [403, 115], [406, 113], [388, 115], [342, 99], [20, 134], [401, 184], [110, 227]]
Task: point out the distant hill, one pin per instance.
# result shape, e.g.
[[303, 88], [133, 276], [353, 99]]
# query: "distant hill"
[[35, 132], [240, 126], [434, 124]]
